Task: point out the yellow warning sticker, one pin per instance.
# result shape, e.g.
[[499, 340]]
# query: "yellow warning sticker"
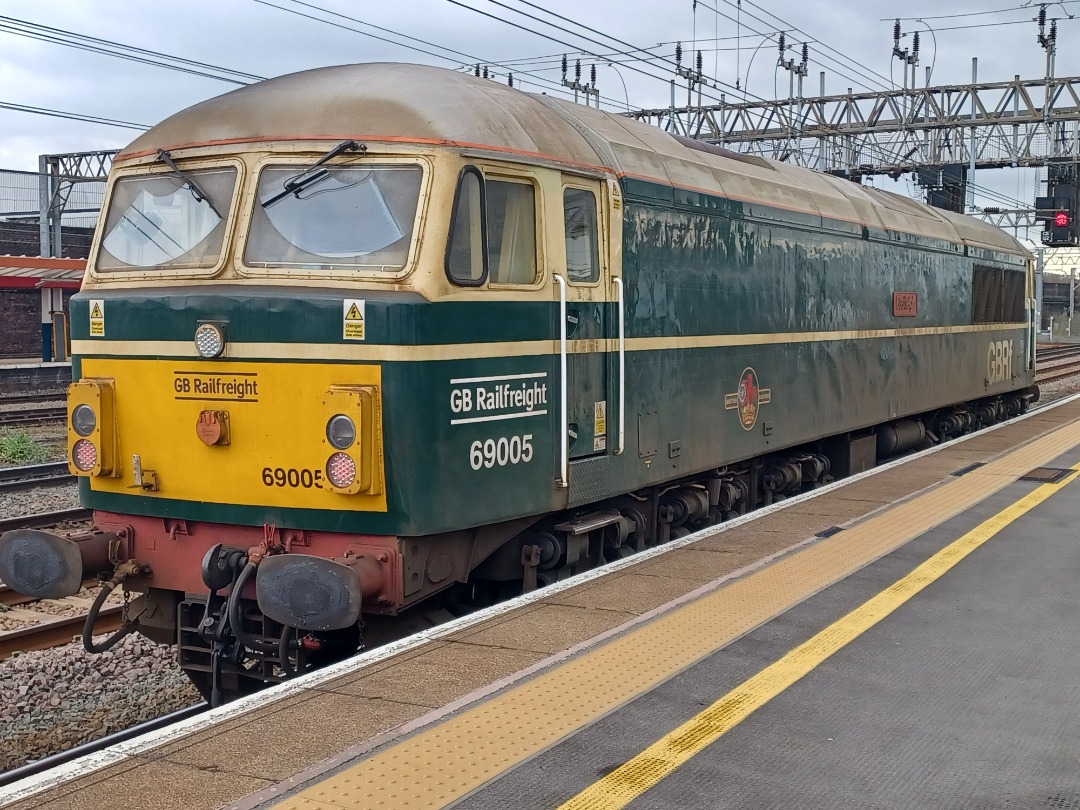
[[353, 310], [599, 426], [97, 318]]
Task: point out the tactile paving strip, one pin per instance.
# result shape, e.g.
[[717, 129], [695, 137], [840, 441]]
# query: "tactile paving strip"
[[449, 761], [618, 788]]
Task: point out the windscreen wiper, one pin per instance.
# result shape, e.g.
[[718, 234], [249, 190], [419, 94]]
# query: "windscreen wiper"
[[313, 174], [196, 192]]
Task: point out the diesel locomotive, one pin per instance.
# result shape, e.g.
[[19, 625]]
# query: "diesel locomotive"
[[371, 337]]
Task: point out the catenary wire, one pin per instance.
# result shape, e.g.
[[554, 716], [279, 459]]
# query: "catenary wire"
[[72, 39], [538, 81], [606, 36], [853, 65], [564, 30], [972, 13], [837, 67], [90, 119], [561, 42]]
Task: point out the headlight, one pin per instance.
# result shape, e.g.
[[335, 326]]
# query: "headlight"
[[340, 432], [209, 340], [341, 470], [83, 420], [84, 455]]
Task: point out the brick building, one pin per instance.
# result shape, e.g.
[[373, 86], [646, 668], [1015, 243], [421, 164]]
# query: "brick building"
[[22, 237], [33, 305]]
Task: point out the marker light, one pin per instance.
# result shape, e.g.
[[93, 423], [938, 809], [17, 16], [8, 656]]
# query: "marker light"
[[83, 420], [340, 431], [341, 470], [209, 340], [1061, 219], [84, 455]]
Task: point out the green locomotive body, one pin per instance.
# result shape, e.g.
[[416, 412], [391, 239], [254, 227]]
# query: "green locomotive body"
[[421, 336]]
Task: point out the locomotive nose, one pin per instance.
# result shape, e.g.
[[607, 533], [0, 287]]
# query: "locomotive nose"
[[47, 566]]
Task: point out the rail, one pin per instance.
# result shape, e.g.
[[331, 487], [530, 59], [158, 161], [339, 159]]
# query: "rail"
[[48, 763], [21, 399], [41, 630], [1056, 363], [32, 416], [43, 520], [13, 479]]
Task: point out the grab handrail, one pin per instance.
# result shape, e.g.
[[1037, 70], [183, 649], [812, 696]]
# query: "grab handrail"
[[621, 444], [563, 480]]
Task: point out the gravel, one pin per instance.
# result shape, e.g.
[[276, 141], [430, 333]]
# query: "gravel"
[[42, 499], [1058, 389], [59, 698], [39, 499]]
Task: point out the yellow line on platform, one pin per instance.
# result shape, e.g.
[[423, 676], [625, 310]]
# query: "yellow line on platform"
[[448, 761], [660, 759]]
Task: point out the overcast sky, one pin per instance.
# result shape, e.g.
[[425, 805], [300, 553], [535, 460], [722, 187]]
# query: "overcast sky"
[[257, 38]]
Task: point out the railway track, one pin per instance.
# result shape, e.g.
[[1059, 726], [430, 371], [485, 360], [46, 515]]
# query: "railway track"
[[24, 399], [48, 763], [38, 624], [45, 623], [32, 416], [1056, 363], [1052, 373], [44, 520], [14, 479]]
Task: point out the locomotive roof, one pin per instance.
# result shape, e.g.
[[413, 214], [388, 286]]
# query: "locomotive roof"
[[422, 104]]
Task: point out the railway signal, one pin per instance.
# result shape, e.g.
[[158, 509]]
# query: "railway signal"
[[1058, 210], [1059, 227], [1058, 215]]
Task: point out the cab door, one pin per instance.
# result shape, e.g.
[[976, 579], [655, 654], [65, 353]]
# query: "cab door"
[[588, 319]]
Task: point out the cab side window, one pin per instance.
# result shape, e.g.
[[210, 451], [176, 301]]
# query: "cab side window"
[[466, 259], [492, 231], [582, 251]]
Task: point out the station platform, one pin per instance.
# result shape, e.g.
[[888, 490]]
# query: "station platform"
[[21, 374], [903, 638]]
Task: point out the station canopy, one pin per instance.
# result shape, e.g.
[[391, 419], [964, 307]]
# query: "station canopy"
[[35, 272]]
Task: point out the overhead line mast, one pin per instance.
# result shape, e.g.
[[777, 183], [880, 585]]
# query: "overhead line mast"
[[940, 134]]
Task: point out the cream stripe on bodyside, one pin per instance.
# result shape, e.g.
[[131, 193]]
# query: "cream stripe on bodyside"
[[375, 352], [766, 338]]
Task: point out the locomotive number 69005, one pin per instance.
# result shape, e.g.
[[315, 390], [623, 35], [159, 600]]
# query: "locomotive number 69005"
[[292, 477], [501, 451]]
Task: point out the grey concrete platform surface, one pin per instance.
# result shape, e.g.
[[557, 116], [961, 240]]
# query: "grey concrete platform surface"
[[968, 696]]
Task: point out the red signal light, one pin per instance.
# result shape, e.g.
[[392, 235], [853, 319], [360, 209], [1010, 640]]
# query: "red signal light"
[[1061, 219]]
